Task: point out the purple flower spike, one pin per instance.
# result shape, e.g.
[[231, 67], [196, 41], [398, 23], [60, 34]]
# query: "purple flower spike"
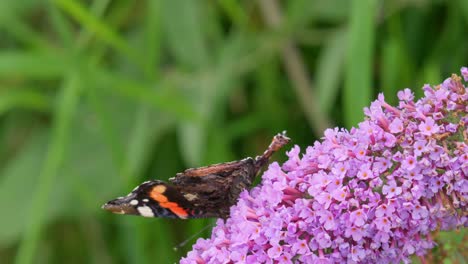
[[369, 195]]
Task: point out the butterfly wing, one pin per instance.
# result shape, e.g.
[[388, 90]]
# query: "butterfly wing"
[[199, 192], [154, 199]]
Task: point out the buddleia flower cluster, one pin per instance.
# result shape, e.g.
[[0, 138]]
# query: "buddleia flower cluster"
[[372, 194]]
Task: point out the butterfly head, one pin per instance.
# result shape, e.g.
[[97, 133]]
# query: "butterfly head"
[[151, 199], [123, 205], [135, 203]]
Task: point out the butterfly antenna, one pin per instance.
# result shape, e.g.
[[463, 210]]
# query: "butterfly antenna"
[[183, 243], [278, 142]]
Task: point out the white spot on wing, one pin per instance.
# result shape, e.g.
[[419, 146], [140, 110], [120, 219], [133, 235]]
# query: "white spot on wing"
[[134, 202], [145, 200], [190, 196], [145, 211]]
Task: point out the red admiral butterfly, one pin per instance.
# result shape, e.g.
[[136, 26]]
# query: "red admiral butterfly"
[[199, 192]]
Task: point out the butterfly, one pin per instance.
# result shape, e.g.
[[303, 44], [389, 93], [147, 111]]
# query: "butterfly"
[[197, 192]]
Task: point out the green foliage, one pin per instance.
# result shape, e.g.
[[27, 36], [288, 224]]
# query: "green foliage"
[[97, 96]]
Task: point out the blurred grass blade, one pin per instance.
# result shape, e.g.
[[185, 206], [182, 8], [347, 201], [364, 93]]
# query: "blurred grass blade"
[[142, 137], [165, 98], [390, 69], [96, 9], [329, 69], [20, 31], [295, 68], [235, 12], [302, 12], [26, 64], [187, 43], [463, 5], [397, 67], [185, 35], [430, 73], [23, 99], [61, 25], [108, 130], [102, 31], [153, 40], [358, 74], [18, 178], [299, 13], [67, 103]]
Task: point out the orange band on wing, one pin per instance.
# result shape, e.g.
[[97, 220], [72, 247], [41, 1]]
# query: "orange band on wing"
[[160, 198], [176, 209], [157, 193]]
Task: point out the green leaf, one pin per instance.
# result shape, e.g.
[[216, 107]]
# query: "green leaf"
[[235, 12], [37, 65], [20, 30], [302, 12], [18, 178], [391, 69], [54, 158], [161, 96], [102, 31], [329, 70], [463, 5], [359, 65], [429, 74], [153, 39], [186, 37], [24, 99]]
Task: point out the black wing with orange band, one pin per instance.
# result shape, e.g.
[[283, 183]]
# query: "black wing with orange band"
[[154, 199], [199, 192]]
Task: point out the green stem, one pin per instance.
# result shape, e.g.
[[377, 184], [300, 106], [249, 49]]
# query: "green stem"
[[67, 103]]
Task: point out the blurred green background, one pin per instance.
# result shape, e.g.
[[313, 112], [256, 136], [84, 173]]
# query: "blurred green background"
[[98, 96]]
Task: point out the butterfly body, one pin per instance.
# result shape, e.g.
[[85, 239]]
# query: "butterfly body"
[[207, 191]]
